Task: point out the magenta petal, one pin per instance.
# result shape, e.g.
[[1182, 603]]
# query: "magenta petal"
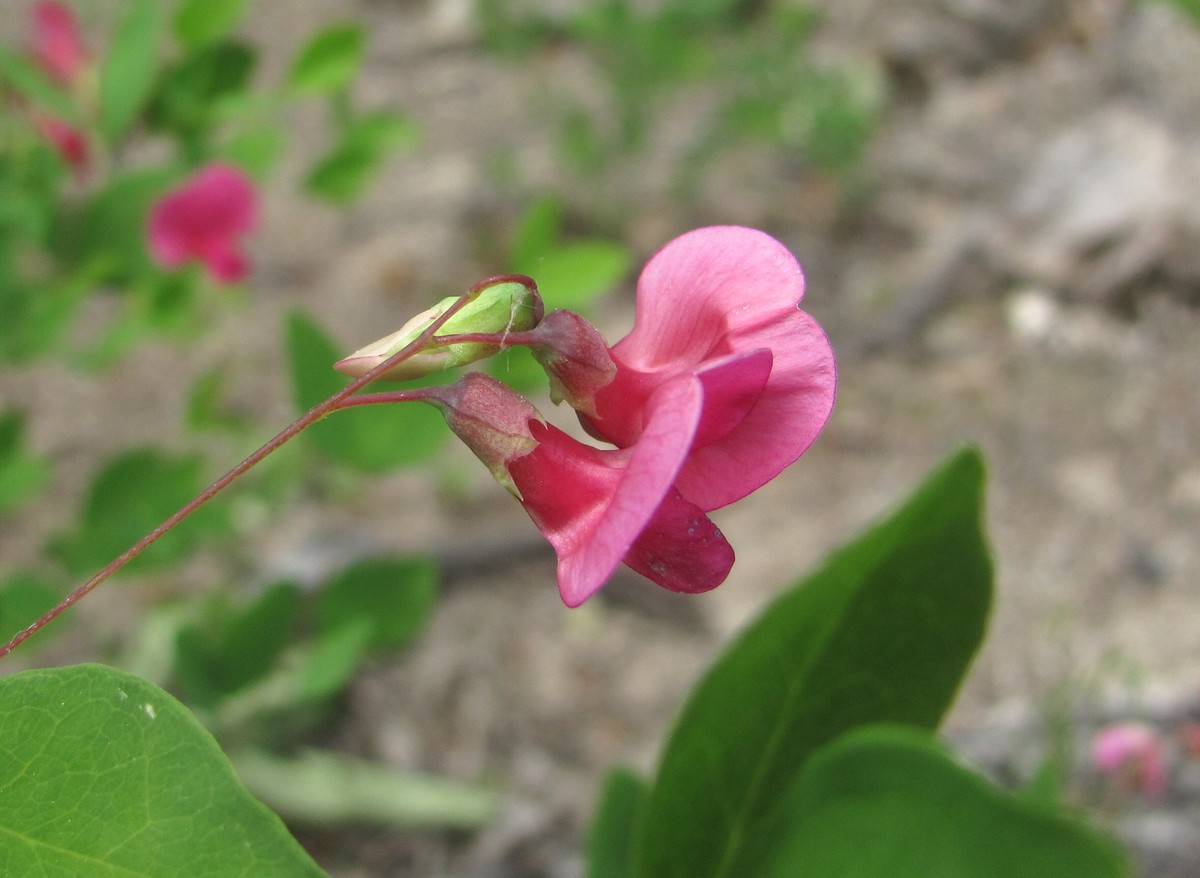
[[57, 44], [205, 219], [732, 387], [226, 265], [645, 479], [790, 412], [680, 549], [702, 286]]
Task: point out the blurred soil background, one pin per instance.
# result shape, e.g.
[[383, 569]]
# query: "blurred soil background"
[[1015, 263]]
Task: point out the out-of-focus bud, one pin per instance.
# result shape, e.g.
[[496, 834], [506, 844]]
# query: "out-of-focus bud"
[[497, 307]]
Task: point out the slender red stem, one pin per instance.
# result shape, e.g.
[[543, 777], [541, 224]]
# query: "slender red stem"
[[307, 419]]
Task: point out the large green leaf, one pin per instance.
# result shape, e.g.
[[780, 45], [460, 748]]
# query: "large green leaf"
[[890, 801], [882, 633], [610, 843], [374, 438], [128, 73], [103, 775]]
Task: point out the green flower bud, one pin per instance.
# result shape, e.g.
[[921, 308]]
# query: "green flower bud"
[[497, 306]]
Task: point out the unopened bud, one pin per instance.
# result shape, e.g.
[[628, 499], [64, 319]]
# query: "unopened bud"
[[491, 419], [576, 359], [497, 307]]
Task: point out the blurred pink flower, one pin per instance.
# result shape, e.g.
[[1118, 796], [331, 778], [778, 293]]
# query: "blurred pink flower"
[[1133, 753], [597, 507], [205, 218], [718, 308], [57, 44], [70, 143]]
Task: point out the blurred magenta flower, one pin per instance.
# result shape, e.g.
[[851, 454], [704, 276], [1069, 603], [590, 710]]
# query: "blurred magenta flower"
[[57, 43], [205, 218], [1133, 753], [69, 141], [718, 309], [597, 507]]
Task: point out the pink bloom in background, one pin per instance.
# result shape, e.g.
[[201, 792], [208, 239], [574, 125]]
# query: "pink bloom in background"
[[69, 142], [205, 219], [57, 43], [718, 308], [597, 507], [1133, 753]]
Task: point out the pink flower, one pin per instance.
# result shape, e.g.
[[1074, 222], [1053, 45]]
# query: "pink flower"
[[69, 142], [1133, 753], [717, 308], [722, 383], [205, 219], [57, 44], [597, 507]]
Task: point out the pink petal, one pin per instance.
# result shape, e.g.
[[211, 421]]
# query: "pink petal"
[[702, 286], [226, 265], [204, 219], [593, 514], [733, 386], [680, 549], [790, 412], [69, 142], [57, 44]]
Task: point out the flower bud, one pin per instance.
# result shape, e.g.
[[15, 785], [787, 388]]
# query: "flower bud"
[[491, 419], [497, 306], [576, 359]]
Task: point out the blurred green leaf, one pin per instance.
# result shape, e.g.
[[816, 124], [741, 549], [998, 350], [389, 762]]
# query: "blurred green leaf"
[[128, 73], [200, 22], [883, 632], [21, 474], [569, 275], [328, 788], [205, 404], [109, 235], [889, 801], [394, 595], [330, 60], [134, 493], [258, 150], [573, 275], [344, 173], [1190, 8], [331, 662], [106, 775], [188, 96], [537, 231], [372, 438], [24, 597], [242, 649], [610, 843], [20, 73]]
